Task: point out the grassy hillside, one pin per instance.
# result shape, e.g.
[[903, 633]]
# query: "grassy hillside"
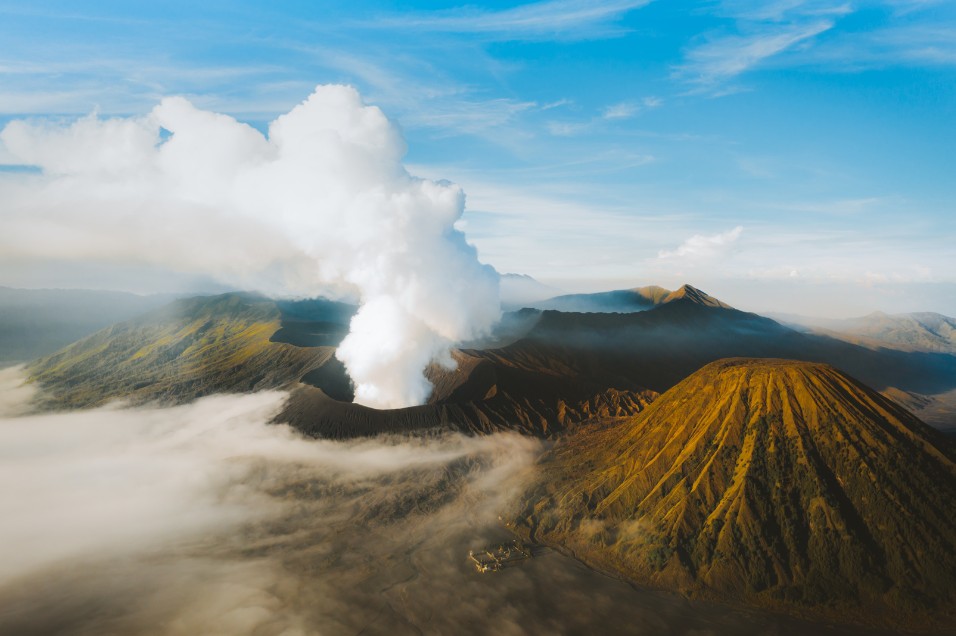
[[783, 484], [190, 348]]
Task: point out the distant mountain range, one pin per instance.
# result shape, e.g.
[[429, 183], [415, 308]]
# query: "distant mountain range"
[[625, 300], [923, 331], [785, 484]]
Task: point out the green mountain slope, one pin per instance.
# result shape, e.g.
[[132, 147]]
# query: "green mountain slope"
[[783, 484], [191, 348]]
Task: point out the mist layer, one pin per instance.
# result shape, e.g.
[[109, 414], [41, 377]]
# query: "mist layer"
[[206, 519]]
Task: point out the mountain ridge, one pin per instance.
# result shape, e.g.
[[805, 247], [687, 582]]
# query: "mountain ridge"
[[627, 300], [549, 363]]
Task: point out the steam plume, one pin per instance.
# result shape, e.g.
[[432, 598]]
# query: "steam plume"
[[321, 205]]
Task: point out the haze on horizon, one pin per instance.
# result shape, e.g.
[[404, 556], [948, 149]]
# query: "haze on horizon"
[[788, 156]]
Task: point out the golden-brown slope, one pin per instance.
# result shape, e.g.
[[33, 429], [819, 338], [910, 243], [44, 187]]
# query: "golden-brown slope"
[[778, 483]]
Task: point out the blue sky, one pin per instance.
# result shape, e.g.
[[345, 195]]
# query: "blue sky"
[[793, 155]]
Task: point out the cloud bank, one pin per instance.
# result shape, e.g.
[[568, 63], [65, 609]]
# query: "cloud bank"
[[320, 205], [207, 519]]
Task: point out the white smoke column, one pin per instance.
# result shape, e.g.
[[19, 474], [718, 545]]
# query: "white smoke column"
[[322, 204]]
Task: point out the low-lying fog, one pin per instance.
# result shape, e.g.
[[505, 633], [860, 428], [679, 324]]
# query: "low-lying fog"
[[206, 519]]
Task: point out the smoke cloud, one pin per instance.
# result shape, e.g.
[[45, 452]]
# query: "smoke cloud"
[[320, 205]]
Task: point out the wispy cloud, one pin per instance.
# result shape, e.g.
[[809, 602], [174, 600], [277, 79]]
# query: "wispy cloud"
[[610, 113], [782, 10], [628, 109], [894, 45], [837, 207], [426, 99], [568, 128], [722, 58], [471, 117], [557, 104], [703, 246], [785, 33], [624, 110], [903, 7], [562, 19], [123, 81]]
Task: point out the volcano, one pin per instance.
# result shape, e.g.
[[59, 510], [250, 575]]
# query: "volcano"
[[782, 484]]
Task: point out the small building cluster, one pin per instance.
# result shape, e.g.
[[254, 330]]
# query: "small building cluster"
[[496, 558]]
